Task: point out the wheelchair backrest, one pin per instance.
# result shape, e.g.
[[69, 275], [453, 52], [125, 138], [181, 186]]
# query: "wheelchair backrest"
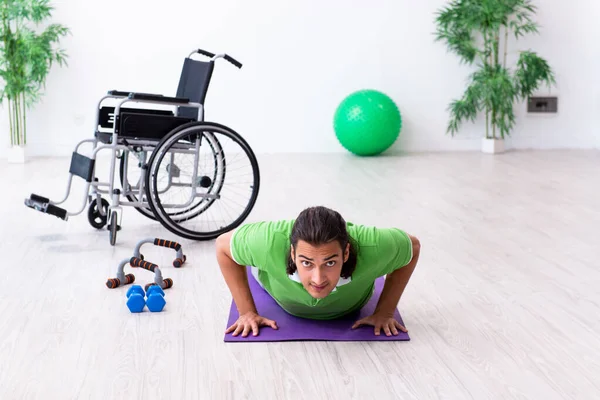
[[193, 84]]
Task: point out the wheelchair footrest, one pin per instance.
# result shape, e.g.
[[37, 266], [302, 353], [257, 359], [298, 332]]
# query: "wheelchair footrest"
[[42, 204]]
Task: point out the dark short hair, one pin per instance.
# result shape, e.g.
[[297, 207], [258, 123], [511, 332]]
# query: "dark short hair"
[[320, 225]]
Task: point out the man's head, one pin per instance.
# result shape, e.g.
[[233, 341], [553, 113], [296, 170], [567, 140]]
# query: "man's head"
[[321, 250]]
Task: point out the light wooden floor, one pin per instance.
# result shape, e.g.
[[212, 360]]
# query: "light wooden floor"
[[505, 303]]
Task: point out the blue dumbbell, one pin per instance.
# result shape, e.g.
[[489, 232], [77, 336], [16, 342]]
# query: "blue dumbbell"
[[154, 289], [155, 298], [135, 299]]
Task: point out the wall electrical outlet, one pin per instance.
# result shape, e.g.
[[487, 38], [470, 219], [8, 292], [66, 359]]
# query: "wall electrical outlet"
[[539, 104]]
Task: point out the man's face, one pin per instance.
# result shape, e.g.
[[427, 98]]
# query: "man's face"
[[319, 267]]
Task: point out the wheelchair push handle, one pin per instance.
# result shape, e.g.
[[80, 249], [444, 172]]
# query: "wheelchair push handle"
[[205, 53], [215, 56], [233, 60]]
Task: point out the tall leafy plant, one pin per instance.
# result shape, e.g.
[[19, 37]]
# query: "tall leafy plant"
[[478, 32], [26, 57]]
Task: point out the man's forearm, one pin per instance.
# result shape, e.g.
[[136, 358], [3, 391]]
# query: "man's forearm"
[[237, 281], [395, 283], [392, 291]]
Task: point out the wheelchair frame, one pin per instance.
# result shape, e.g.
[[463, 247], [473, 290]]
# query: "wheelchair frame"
[[85, 167]]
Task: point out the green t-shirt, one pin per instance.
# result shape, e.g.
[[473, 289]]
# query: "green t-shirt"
[[266, 245]]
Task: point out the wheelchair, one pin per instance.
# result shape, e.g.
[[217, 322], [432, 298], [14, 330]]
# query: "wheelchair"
[[199, 179]]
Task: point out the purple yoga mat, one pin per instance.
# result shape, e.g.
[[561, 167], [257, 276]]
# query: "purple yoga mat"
[[297, 329]]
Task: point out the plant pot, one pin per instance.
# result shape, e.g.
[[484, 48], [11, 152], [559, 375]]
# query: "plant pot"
[[492, 146], [16, 155]]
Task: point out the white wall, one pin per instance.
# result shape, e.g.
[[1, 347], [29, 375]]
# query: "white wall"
[[300, 59]]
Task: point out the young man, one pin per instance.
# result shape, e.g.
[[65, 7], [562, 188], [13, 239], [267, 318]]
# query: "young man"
[[317, 266]]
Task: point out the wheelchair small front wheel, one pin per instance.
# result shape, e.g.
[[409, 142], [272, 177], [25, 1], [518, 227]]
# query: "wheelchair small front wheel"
[[95, 218], [113, 228], [203, 180]]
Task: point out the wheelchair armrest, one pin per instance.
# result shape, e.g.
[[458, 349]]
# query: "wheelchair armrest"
[[143, 96], [118, 93], [158, 97]]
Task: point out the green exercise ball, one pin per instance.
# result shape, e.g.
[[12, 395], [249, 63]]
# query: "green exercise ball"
[[367, 122]]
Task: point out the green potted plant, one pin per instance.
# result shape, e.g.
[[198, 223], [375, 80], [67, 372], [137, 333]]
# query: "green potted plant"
[[26, 57], [478, 32]]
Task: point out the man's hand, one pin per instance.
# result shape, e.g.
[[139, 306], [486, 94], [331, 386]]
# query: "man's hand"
[[250, 321], [381, 321]]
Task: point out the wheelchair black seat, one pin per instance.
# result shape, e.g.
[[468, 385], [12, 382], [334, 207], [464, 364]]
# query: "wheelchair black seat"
[[138, 123]]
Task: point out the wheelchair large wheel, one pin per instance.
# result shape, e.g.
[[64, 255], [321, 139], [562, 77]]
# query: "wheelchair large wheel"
[[203, 180], [147, 211]]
